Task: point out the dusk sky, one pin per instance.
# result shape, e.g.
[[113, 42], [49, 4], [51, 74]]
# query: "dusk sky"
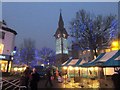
[[39, 21]]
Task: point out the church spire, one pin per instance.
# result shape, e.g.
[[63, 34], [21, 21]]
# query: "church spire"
[[61, 30], [61, 23]]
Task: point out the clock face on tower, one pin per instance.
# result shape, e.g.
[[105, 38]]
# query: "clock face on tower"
[[59, 46]]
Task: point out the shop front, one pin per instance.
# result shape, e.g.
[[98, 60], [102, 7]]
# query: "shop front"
[[5, 63]]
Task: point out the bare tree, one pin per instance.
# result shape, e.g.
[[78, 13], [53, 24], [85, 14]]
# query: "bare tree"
[[47, 55], [27, 51], [92, 33]]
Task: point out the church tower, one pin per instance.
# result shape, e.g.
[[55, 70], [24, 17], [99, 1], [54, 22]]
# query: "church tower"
[[61, 36]]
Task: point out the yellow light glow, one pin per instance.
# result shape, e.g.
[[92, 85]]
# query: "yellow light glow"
[[15, 69], [88, 50], [2, 69], [2, 65], [115, 43], [65, 68], [107, 50], [24, 68], [95, 57], [91, 68], [76, 68], [20, 69], [96, 68], [114, 48], [1, 48], [80, 68], [70, 68]]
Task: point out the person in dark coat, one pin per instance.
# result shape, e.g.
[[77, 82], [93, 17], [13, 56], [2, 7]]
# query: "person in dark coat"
[[49, 78], [24, 80], [34, 79]]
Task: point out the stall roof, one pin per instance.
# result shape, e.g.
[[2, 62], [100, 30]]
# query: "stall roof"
[[66, 62], [91, 63], [109, 59], [114, 61], [72, 62]]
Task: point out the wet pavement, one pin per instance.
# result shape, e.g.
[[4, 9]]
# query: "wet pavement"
[[83, 83]]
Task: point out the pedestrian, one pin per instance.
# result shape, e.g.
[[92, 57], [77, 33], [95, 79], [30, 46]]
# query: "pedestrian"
[[49, 75], [24, 80], [54, 73], [57, 73], [34, 79]]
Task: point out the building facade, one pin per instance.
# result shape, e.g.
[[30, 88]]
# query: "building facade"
[[7, 39], [61, 37]]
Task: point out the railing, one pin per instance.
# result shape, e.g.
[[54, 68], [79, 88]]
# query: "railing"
[[12, 84]]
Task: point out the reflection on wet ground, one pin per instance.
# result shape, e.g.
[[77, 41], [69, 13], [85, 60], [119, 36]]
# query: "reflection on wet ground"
[[82, 83]]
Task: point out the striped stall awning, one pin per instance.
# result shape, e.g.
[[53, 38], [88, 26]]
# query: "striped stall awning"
[[114, 61], [108, 59]]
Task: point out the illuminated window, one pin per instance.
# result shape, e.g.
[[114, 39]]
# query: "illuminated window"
[[65, 46], [1, 48], [3, 65], [58, 46]]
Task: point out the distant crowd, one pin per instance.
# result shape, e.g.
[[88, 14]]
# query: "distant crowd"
[[30, 78]]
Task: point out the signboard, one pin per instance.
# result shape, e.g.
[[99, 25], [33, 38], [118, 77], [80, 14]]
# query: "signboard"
[[4, 57]]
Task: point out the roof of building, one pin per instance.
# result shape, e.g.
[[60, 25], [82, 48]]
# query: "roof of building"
[[5, 28]]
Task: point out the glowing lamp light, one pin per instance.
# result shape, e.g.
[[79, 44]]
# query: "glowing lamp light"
[[2, 65], [16, 69], [80, 68], [20, 69], [2, 69], [24, 68], [91, 68], [96, 68], [115, 45], [42, 65], [14, 52], [70, 68], [64, 68], [48, 63], [76, 68]]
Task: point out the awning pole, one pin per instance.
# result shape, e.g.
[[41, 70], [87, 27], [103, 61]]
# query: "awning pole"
[[105, 73], [87, 73]]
